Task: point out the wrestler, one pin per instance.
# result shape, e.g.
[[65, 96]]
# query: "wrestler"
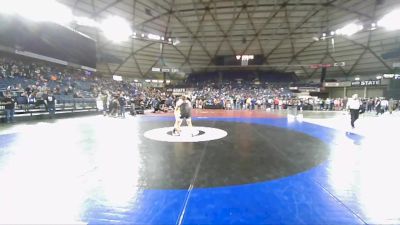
[[183, 111]]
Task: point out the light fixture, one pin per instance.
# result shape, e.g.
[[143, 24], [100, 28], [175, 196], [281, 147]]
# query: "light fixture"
[[391, 20], [332, 33], [153, 37], [388, 76], [373, 26], [379, 77], [135, 81], [148, 81], [38, 10], [116, 29], [176, 42], [323, 36], [349, 29], [84, 21], [357, 78], [9, 7], [59, 13]]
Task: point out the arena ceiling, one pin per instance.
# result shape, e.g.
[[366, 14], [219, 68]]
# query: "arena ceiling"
[[287, 32]]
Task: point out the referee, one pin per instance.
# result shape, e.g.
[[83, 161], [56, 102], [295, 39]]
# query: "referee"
[[354, 106]]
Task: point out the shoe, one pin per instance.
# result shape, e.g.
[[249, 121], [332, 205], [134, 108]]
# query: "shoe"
[[175, 132]]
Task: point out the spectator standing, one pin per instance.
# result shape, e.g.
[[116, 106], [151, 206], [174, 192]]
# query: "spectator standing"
[[104, 100], [391, 105], [276, 103], [370, 104], [115, 106], [384, 105], [378, 106], [122, 104], [51, 103], [9, 106]]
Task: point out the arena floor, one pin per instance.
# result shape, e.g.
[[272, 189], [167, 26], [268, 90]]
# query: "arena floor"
[[240, 167]]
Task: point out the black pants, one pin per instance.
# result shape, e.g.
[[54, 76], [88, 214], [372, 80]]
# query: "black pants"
[[354, 116], [378, 110]]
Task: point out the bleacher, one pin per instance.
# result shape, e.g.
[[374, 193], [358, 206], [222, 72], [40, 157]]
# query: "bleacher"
[[64, 104]]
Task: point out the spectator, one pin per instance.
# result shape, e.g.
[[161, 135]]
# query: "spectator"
[[51, 103], [122, 104], [9, 106]]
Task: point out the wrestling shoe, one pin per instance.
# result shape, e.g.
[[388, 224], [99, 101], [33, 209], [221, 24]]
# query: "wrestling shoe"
[[175, 132]]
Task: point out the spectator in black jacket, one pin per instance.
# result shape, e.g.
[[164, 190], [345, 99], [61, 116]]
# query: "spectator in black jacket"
[[51, 103], [122, 104], [9, 105]]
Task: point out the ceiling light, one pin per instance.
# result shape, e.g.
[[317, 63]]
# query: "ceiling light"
[[357, 78], [323, 34], [176, 42], [143, 35], [373, 26], [379, 77], [83, 21], [389, 76], [116, 29], [153, 37], [38, 10], [391, 20], [349, 29], [9, 7], [332, 33], [162, 38]]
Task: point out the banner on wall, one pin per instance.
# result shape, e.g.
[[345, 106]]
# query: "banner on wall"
[[331, 84], [366, 83]]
